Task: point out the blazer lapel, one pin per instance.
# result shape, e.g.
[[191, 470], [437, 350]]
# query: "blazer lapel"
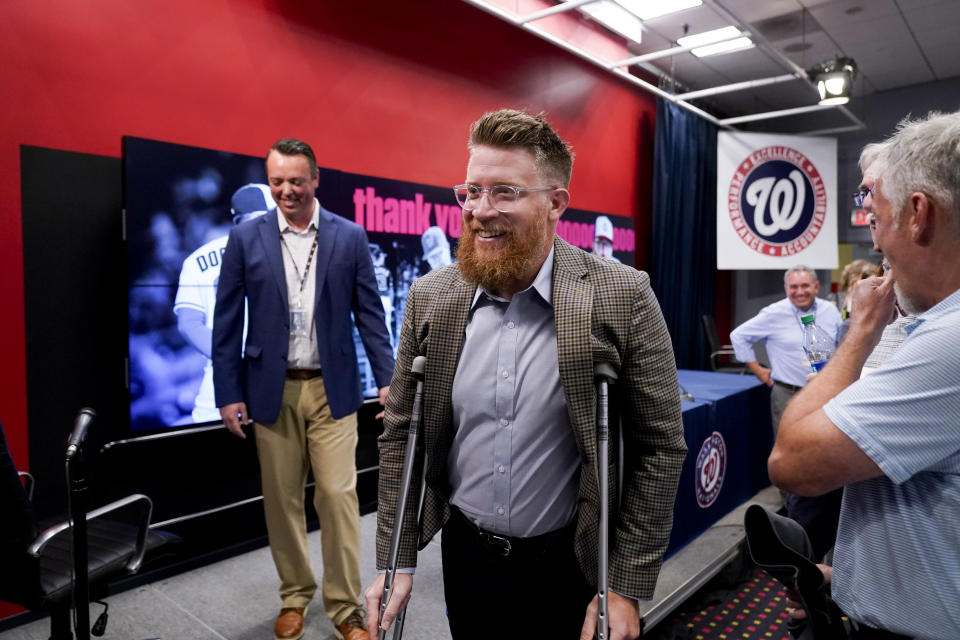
[[448, 324], [326, 242], [270, 238], [573, 304]]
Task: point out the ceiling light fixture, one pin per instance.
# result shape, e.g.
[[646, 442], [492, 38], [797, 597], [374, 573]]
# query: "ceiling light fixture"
[[723, 47], [647, 9], [710, 43], [834, 80], [616, 18]]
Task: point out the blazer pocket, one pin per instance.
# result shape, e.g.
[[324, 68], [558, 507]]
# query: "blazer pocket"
[[253, 350]]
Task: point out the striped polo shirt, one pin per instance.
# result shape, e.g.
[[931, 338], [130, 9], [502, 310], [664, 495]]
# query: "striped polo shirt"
[[897, 557]]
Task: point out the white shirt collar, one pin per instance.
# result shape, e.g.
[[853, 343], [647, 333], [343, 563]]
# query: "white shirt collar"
[[314, 220]]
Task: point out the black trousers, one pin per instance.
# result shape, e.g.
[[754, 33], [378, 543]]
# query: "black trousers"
[[535, 591]]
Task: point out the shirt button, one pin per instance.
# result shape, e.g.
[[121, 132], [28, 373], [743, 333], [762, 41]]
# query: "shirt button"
[[505, 374], [504, 421], [501, 469], [510, 325], [500, 510]]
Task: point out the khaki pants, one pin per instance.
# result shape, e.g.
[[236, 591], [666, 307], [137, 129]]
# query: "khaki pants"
[[306, 436], [780, 397]]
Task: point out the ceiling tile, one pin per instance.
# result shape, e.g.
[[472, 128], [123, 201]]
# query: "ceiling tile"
[[753, 11], [944, 60], [841, 13], [937, 37], [696, 20], [809, 49], [893, 79], [933, 17]]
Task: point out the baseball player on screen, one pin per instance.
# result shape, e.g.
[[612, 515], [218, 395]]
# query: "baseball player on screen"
[[603, 238], [197, 291]]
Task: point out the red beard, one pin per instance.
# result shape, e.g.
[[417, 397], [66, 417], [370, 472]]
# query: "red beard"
[[498, 270]]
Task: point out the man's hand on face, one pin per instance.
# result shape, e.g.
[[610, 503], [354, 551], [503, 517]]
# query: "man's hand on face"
[[874, 301]]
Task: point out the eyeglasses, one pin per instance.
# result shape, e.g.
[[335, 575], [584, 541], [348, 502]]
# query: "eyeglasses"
[[503, 197], [861, 195]]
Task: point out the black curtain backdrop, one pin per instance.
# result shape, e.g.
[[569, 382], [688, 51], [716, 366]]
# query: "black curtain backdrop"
[[684, 243]]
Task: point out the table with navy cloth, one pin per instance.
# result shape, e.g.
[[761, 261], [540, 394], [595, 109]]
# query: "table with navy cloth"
[[727, 427]]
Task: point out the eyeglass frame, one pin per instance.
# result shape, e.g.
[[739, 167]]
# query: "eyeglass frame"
[[860, 196], [489, 191]]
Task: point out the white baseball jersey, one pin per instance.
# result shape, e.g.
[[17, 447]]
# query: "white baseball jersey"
[[198, 290]]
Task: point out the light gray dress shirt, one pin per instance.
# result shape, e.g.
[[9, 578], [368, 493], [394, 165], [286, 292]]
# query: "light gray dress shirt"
[[779, 325], [295, 249], [514, 464]]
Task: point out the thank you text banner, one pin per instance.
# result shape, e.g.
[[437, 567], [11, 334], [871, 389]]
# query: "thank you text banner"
[[776, 201]]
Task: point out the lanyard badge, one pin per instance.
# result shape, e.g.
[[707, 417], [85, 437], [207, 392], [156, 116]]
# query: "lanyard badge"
[[299, 317]]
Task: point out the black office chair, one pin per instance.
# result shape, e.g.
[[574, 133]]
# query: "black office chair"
[[722, 356], [37, 568]]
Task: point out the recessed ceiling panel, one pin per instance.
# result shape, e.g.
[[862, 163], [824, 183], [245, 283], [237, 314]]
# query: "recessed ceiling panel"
[[945, 61]]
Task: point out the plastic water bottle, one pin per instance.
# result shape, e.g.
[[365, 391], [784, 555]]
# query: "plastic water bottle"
[[817, 344]]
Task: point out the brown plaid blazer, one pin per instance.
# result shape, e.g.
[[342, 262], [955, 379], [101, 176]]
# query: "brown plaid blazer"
[[604, 311]]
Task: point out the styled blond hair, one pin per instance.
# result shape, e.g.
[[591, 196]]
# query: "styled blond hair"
[[513, 129]]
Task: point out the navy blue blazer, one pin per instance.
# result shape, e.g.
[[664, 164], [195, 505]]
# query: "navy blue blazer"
[[252, 270]]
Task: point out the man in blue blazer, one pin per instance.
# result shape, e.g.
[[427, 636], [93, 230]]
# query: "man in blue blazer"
[[297, 273]]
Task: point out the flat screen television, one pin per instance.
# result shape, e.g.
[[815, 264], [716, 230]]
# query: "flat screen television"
[[177, 214]]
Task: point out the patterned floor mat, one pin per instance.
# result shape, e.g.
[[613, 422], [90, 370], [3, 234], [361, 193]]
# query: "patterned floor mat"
[[753, 609]]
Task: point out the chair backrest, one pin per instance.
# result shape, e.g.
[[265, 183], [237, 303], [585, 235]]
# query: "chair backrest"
[[18, 526], [710, 327]]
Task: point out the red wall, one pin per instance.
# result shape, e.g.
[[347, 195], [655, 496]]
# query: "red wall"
[[387, 89], [381, 88]]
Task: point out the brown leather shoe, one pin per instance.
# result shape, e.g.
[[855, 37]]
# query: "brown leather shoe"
[[289, 624], [354, 627]]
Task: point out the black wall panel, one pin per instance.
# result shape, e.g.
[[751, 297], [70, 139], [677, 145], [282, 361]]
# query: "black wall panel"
[[206, 482]]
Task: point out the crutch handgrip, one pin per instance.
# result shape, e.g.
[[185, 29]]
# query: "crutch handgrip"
[[605, 370], [417, 369]]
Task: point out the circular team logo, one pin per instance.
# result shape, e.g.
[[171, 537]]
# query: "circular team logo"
[[711, 466], [777, 201]]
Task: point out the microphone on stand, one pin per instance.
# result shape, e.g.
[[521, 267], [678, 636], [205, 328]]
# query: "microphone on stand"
[[80, 425]]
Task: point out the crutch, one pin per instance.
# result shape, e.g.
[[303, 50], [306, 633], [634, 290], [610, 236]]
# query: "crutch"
[[604, 374], [419, 364], [402, 616]]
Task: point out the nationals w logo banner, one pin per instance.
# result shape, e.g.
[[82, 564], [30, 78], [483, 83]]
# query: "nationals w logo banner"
[[776, 201]]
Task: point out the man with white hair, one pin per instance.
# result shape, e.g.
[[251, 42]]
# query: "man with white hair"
[[895, 332], [892, 439]]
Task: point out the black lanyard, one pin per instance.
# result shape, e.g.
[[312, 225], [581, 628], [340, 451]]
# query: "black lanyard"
[[306, 269]]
